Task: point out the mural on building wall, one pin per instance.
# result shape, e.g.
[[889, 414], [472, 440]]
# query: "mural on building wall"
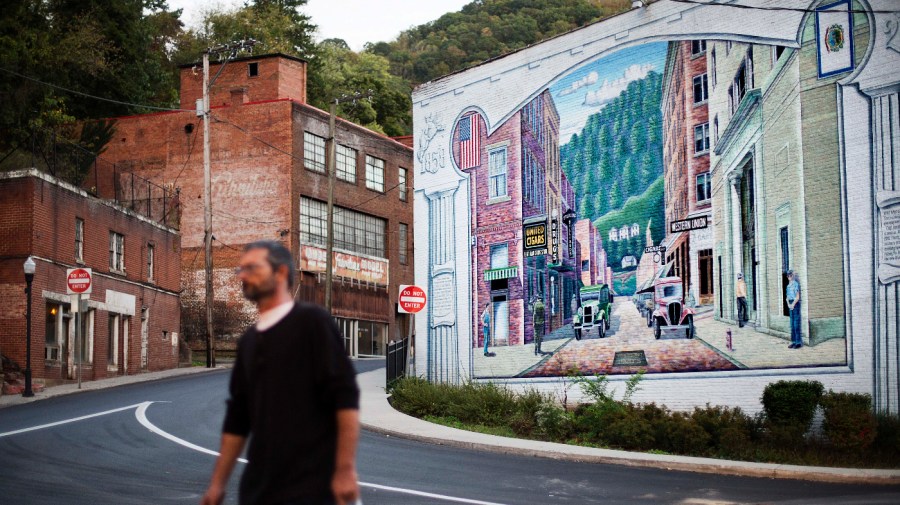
[[646, 211]]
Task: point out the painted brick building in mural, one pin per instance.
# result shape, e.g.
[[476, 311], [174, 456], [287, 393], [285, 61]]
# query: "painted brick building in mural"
[[686, 163], [801, 111], [132, 315], [268, 152], [518, 186], [591, 254]]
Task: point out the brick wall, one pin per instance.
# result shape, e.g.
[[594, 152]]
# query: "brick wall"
[[43, 213]]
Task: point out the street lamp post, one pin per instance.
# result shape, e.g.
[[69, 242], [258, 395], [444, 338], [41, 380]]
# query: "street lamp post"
[[29, 276]]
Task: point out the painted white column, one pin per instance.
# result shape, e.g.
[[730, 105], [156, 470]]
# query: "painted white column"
[[737, 249]]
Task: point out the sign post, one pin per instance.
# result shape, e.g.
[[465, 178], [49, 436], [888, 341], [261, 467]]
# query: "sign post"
[[79, 281]]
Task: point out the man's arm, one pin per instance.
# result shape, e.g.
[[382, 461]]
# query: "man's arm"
[[344, 484], [232, 445]]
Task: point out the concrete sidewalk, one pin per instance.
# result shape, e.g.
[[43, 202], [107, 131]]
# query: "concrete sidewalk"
[[378, 416]]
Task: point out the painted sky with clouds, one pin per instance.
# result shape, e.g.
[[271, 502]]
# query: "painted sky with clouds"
[[590, 87]]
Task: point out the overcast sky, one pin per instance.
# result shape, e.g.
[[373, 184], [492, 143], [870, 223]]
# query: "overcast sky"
[[355, 21]]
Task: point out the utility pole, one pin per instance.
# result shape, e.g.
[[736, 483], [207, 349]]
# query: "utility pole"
[[330, 162], [230, 51]]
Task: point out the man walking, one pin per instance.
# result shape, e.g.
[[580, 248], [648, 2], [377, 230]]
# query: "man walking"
[[537, 319], [792, 297], [740, 291], [294, 390]]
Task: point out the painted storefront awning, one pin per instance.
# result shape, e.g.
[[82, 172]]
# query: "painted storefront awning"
[[501, 273]]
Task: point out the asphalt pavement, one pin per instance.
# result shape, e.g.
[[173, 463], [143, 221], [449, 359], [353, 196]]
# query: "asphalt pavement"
[[378, 417]]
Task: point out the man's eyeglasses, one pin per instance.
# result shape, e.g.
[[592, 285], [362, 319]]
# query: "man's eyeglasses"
[[252, 267]]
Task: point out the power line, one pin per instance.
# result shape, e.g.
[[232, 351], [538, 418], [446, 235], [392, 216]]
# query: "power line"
[[102, 99], [779, 8]]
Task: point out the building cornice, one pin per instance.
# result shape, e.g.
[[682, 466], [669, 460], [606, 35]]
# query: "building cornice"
[[749, 105]]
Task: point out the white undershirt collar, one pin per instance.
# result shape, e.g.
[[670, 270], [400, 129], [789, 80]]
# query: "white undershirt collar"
[[272, 316]]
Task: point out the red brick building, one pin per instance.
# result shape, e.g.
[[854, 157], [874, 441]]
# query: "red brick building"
[[688, 184], [132, 317], [268, 152]]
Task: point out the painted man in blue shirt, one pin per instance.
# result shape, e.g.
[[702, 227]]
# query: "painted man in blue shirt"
[[792, 297], [486, 327]]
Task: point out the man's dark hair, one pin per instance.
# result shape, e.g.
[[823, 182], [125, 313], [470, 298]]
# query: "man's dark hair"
[[278, 255]]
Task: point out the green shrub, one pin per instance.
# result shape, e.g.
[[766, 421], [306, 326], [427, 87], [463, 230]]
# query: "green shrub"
[[790, 405], [887, 435], [554, 423], [628, 428], [730, 430], [849, 421], [678, 433]]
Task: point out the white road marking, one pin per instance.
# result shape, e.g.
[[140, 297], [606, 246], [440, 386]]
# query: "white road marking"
[[67, 421], [427, 495], [141, 414]]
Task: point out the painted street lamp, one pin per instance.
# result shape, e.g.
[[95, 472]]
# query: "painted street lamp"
[[569, 218], [29, 276]]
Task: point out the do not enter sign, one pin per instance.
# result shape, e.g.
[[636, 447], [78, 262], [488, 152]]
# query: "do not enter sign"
[[78, 281], [412, 299]]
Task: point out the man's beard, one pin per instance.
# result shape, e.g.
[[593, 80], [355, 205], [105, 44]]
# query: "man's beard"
[[255, 293]]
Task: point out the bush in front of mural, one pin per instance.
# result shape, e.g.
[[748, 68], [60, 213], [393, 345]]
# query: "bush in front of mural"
[[849, 421], [789, 407], [851, 434]]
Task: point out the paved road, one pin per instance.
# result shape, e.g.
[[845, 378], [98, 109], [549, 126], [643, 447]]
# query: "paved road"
[[112, 458], [629, 332]]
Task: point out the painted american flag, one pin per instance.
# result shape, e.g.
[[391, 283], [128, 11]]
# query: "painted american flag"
[[469, 141]]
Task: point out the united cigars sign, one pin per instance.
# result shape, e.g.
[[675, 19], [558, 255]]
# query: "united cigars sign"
[[365, 269], [535, 238], [694, 223]]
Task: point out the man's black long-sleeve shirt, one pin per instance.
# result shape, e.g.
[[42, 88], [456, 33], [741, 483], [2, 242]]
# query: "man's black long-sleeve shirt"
[[287, 385]]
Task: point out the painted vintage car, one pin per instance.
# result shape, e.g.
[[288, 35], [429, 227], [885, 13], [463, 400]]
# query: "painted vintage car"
[[669, 311], [594, 310]]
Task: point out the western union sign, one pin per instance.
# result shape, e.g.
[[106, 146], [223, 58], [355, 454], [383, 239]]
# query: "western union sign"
[[535, 239]]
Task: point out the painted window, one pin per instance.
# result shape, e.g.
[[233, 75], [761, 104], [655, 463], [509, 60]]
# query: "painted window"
[[497, 170], [375, 173], [112, 340], [345, 163], [712, 66], [701, 91], [313, 152], [701, 138], [56, 329], [698, 47], [704, 187], [116, 252], [499, 256]]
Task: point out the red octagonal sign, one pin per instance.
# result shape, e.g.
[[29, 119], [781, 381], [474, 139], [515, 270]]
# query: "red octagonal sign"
[[78, 281], [412, 299]]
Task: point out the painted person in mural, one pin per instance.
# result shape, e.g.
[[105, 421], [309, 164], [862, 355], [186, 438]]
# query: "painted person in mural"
[[740, 291], [537, 318], [486, 328], [792, 297]]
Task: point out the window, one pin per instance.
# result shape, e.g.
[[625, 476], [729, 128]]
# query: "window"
[[79, 240], [698, 47], [701, 138], [497, 170], [112, 340], [585, 265], [56, 329], [777, 51], [499, 256], [345, 166], [727, 47], [701, 92], [150, 260], [704, 187], [375, 174], [116, 252], [712, 66], [716, 129], [313, 152], [402, 242], [401, 185], [253, 69], [353, 231]]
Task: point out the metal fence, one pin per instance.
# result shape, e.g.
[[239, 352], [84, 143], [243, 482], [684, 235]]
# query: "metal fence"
[[397, 352]]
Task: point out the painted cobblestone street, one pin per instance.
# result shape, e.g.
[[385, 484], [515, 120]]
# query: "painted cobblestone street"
[[629, 332]]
